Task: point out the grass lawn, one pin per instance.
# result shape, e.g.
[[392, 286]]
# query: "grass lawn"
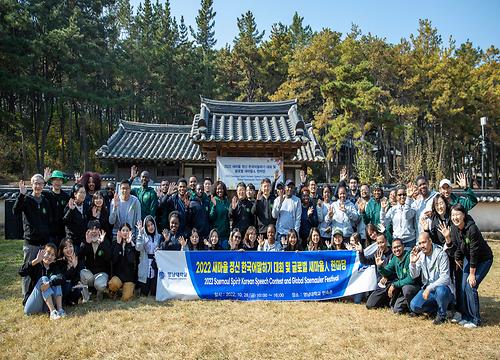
[[236, 330]]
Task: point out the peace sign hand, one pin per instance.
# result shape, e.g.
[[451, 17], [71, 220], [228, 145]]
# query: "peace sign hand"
[[46, 173], [261, 240]]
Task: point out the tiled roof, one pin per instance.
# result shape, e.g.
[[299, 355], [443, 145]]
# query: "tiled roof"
[[256, 122], [162, 142], [140, 141]]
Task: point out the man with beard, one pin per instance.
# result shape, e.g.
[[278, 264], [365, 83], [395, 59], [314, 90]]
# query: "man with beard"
[[403, 288]]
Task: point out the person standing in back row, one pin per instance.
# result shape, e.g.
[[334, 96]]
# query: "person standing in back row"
[[145, 194], [37, 217]]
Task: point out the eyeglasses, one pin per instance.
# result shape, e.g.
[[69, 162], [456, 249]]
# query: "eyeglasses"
[[237, 237], [402, 195]]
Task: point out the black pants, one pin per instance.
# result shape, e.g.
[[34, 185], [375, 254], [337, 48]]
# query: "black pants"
[[149, 287], [400, 302], [378, 298]]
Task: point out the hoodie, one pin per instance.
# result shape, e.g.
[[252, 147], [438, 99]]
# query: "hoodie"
[[146, 245], [434, 269]]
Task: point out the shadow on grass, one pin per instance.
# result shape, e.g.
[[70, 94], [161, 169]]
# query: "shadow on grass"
[[490, 311]]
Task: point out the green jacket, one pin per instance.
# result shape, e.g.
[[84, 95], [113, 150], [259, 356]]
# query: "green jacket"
[[468, 200], [148, 200], [400, 268], [219, 217], [372, 212]]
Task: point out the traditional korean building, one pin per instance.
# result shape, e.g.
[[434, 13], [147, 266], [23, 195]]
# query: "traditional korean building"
[[221, 129]]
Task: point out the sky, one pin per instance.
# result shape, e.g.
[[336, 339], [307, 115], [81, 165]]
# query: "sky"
[[477, 20]]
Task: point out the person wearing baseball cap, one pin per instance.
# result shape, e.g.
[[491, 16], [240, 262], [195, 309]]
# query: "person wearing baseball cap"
[[468, 199], [58, 199]]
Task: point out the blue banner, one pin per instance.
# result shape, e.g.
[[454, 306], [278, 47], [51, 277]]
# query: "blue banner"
[[252, 275]]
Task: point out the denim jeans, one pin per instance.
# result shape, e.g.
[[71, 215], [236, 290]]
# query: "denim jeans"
[[438, 301], [469, 295], [36, 300]]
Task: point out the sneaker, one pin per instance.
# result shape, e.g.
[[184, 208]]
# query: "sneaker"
[[439, 320], [54, 315], [470, 325], [412, 314], [457, 317], [61, 313], [462, 322]]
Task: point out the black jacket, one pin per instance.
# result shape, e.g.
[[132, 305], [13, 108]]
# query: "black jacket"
[[198, 216], [72, 274], [76, 225], [470, 243], [37, 271], [436, 236], [97, 262], [103, 220], [242, 216], [58, 204], [124, 262], [37, 218], [262, 209]]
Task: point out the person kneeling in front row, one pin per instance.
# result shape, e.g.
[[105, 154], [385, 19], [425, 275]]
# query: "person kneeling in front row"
[[403, 288], [429, 261]]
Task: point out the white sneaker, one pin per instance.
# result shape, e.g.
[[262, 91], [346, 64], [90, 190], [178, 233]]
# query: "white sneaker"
[[457, 317], [470, 325], [462, 322], [85, 293], [54, 315], [62, 313]]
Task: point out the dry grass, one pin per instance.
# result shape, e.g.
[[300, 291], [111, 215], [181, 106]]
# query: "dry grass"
[[236, 330]]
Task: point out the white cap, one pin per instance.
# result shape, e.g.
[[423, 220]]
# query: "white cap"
[[444, 182]]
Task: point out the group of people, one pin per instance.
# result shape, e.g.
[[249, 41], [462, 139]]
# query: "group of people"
[[430, 256]]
